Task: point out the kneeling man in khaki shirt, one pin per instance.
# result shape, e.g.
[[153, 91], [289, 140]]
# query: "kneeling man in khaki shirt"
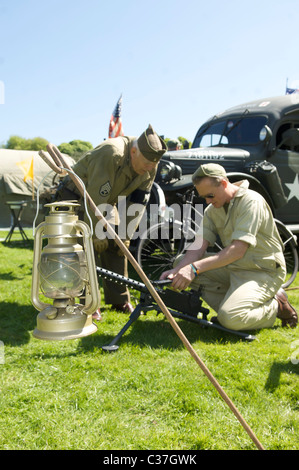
[[242, 282]]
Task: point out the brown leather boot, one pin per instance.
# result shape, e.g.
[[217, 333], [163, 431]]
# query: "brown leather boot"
[[286, 312]]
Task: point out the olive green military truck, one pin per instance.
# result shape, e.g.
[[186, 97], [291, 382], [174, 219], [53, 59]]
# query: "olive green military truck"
[[258, 141]]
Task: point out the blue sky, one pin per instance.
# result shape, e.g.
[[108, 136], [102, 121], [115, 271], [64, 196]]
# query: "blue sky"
[[64, 64]]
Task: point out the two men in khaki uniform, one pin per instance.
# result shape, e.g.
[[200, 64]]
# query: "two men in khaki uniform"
[[241, 282], [122, 167]]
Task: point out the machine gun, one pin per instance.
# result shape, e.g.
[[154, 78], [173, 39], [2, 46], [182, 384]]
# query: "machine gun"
[[185, 305]]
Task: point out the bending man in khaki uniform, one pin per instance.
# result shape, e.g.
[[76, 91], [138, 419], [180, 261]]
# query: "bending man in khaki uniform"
[[241, 282], [119, 167]]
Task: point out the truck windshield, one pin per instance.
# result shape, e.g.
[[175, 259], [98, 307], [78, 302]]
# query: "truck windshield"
[[231, 132]]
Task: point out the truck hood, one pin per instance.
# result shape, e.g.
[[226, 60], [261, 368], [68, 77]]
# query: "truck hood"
[[231, 158]]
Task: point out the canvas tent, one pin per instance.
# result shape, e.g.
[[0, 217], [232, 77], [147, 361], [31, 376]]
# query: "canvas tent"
[[14, 188]]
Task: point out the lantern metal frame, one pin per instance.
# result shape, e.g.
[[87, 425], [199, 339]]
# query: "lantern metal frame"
[[64, 318]]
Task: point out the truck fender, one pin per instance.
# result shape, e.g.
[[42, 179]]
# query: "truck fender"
[[254, 184], [286, 230]]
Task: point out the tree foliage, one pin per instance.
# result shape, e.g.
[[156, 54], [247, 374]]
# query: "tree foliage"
[[75, 148], [19, 143], [184, 142]]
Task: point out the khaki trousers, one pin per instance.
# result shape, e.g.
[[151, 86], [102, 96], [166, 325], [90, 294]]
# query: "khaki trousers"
[[243, 300]]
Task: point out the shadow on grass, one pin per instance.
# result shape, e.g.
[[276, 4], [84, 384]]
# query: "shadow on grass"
[[19, 244], [16, 321], [276, 370], [9, 277], [157, 334]]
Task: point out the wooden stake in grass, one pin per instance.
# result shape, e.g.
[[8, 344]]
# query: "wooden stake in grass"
[[59, 165]]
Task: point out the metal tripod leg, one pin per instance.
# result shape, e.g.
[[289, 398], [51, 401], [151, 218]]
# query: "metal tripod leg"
[[133, 317], [208, 324]]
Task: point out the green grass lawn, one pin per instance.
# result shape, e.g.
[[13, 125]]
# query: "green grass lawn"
[[150, 394]]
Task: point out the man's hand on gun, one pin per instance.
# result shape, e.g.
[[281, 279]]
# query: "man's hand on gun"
[[180, 278]]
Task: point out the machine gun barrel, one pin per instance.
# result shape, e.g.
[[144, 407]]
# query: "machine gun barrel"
[[185, 304], [119, 279]]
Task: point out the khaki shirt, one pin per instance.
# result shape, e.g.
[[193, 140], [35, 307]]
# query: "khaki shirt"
[[249, 219], [107, 173]]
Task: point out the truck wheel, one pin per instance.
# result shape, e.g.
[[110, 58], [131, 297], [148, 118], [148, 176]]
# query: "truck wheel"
[[160, 245], [290, 252]]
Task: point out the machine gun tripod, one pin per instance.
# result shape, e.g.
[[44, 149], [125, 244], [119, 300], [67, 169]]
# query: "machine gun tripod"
[[185, 305]]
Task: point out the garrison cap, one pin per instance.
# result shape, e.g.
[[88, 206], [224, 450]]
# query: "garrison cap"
[[151, 145], [210, 169]]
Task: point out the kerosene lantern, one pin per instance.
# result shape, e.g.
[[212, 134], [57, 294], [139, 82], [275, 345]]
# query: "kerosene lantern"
[[64, 271]]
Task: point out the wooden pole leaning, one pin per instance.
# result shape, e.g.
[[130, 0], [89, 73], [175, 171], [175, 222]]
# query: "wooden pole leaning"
[[58, 165]]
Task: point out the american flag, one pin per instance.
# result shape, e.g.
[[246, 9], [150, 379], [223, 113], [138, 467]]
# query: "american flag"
[[290, 91], [294, 89], [115, 126]]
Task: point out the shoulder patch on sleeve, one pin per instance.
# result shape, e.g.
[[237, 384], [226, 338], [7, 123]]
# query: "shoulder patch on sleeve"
[[105, 189]]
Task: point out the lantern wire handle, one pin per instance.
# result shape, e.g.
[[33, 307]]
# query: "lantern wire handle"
[[84, 198]]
